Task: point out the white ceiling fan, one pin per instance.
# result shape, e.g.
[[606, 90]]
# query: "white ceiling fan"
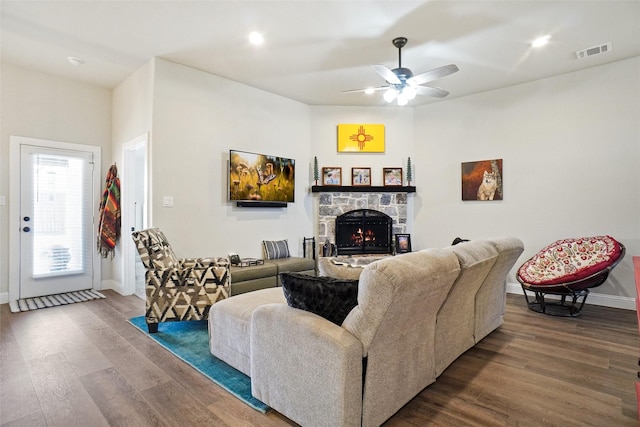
[[402, 85]]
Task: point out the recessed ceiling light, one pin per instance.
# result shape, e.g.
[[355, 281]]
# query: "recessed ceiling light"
[[369, 91], [540, 41], [256, 38], [74, 61]]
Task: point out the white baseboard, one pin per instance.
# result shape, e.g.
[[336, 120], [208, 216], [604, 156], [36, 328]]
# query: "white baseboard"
[[4, 297], [613, 301], [114, 286]]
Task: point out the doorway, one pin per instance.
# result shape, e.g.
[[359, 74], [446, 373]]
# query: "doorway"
[[53, 189], [134, 211]]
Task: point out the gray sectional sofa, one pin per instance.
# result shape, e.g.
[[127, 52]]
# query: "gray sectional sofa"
[[255, 277], [415, 314]]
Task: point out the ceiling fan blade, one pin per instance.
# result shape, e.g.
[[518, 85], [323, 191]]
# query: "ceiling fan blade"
[[387, 74], [431, 91], [364, 90], [434, 74]]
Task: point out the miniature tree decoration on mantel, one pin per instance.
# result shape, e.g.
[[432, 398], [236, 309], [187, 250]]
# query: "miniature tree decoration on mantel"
[[316, 175], [409, 171]]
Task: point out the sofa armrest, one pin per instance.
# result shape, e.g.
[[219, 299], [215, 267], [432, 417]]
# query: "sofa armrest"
[[306, 367]]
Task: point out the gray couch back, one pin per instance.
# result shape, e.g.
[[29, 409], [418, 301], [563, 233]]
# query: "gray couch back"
[[398, 300], [418, 312]]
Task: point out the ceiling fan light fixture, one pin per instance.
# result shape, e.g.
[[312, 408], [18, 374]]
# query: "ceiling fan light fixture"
[[403, 85], [409, 92], [390, 95]]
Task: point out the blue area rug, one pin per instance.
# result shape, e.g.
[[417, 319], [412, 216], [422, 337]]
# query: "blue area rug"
[[189, 341]]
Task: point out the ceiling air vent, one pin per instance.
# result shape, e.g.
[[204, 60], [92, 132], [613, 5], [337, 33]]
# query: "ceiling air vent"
[[595, 50]]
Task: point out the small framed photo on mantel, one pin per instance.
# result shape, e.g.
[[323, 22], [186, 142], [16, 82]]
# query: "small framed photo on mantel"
[[403, 243], [332, 176], [392, 176], [361, 176]]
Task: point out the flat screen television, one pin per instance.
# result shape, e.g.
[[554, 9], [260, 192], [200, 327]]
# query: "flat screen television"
[[261, 179]]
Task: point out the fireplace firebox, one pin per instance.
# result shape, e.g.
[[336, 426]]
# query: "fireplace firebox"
[[363, 231]]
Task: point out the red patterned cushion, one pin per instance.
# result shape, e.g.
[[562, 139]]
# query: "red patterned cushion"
[[569, 260]]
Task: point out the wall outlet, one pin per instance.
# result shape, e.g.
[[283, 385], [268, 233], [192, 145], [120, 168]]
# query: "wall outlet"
[[167, 201], [3, 201]]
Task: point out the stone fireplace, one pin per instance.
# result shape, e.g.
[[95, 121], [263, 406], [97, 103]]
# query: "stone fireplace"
[[333, 203]]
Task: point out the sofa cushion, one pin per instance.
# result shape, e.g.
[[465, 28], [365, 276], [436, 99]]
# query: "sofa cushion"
[[241, 274], [230, 323], [329, 297], [274, 249], [294, 264]]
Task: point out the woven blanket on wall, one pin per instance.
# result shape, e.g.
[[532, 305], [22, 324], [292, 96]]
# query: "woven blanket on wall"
[[109, 225]]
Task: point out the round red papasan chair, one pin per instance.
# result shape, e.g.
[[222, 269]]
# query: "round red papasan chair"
[[568, 268]]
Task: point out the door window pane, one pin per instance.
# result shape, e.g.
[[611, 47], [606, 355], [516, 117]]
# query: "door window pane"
[[59, 220]]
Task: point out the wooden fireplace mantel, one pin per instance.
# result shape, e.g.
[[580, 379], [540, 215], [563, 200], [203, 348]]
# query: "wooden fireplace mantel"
[[363, 189]]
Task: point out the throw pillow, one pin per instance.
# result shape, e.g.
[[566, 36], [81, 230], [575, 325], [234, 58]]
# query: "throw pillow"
[[274, 249], [329, 297]]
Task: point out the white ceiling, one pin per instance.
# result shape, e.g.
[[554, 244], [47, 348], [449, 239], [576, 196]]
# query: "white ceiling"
[[315, 50]]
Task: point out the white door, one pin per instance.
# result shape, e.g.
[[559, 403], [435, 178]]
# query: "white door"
[[134, 211], [56, 221]]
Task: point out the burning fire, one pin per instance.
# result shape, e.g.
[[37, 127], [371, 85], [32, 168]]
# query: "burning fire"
[[359, 236]]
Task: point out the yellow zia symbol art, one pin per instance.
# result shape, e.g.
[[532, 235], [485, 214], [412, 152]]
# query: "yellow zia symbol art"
[[361, 138]]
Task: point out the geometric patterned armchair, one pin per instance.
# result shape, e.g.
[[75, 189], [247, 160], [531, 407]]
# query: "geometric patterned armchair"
[[178, 289]]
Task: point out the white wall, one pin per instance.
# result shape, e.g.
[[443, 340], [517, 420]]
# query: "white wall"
[[132, 108], [42, 106], [197, 118], [571, 163], [399, 138], [399, 144], [132, 117]]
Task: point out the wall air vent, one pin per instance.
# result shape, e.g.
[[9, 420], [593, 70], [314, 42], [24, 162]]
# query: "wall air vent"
[[595, 50]]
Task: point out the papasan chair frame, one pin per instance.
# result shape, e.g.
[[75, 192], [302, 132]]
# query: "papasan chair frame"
[[571, 294]]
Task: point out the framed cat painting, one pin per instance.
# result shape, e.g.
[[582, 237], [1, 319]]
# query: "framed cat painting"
[[482, 180]]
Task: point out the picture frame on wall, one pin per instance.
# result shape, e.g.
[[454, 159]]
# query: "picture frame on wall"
[[482, 180], [332, 175], [392, 176], [403, 243], [361, 176]]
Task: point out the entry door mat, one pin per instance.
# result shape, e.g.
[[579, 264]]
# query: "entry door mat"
[[189, 341], [28, 304]]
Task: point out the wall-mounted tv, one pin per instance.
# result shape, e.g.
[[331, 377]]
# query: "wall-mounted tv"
[[261, 179]]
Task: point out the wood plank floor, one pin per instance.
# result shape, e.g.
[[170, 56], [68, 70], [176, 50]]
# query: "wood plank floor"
[[84, 365]]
